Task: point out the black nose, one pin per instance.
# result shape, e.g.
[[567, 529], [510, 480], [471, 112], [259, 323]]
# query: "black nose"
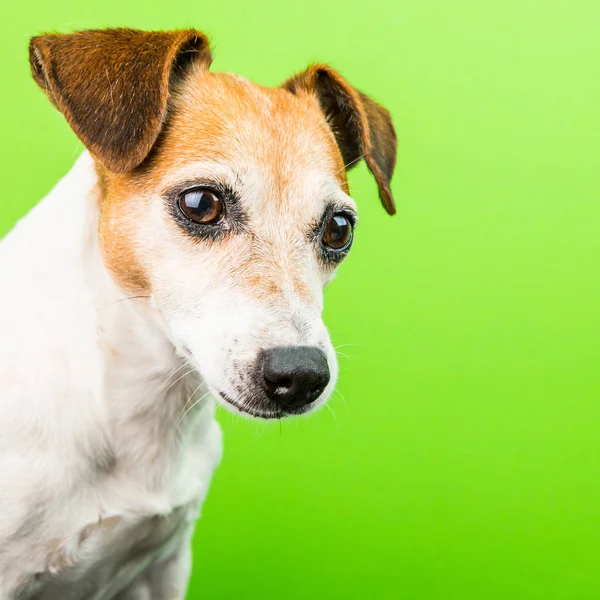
[[293, 376]]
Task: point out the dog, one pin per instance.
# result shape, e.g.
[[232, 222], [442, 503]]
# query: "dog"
[[179, 264]]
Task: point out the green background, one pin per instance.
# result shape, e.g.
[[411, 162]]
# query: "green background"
[[460, 458]]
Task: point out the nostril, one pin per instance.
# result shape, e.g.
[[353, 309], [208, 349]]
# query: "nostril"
[[280, 382], [286, 382], [316, 390], [293, 376]]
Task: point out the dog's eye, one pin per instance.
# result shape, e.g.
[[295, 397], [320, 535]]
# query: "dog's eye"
[[201, 206], [338, 232]]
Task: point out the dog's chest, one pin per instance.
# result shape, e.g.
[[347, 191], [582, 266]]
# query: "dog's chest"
[[106, 556], [112, 553]]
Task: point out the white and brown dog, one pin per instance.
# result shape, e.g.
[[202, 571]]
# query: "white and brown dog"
[[180, 263]]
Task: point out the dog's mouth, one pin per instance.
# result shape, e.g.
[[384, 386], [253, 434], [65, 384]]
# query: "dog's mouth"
[[262, 409]]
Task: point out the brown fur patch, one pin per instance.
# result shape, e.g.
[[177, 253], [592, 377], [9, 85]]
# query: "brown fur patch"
[[362, 127], [221, 117], [118, 220], [112, 85], [145, 105]]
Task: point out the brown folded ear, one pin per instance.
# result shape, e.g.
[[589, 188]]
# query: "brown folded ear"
[[363, 128], [112, 85]]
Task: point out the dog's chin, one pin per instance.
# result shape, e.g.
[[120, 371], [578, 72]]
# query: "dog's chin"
[[261, 408]]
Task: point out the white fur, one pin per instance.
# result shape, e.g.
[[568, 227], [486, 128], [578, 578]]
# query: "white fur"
[[213, 317], [92, 444], [107, 432]]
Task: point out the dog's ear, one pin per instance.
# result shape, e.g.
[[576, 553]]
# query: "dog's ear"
[[112, 85], [362, 128]]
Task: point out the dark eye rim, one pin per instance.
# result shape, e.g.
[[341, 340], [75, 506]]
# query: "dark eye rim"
[[234, 220], [326, 221], [331, 257], [212, 223]]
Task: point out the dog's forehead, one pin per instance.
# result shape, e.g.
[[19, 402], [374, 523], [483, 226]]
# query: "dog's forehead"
[[271, 138], [275, 147]]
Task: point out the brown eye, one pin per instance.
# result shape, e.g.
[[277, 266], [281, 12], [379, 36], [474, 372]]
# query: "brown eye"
[[338, 232], [201, 206]]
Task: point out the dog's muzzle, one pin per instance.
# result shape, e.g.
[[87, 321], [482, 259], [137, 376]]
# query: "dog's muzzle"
[[283, 381]]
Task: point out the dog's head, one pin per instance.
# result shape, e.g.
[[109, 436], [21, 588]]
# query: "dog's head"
[[225, 202]]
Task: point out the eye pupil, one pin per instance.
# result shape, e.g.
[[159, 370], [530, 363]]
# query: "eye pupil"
[[338, 232], [201, 206]]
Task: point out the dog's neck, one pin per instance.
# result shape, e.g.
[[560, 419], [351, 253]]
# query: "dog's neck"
[[153, 398], [126, 392]]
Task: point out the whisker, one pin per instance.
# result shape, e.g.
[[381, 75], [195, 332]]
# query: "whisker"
[[344, 346], [331, 410], [123, 300], [192, 406], [341, 396], [258, 432], [191, 396], [179, 379], [350, 163], [351, 356], [185, 364]]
